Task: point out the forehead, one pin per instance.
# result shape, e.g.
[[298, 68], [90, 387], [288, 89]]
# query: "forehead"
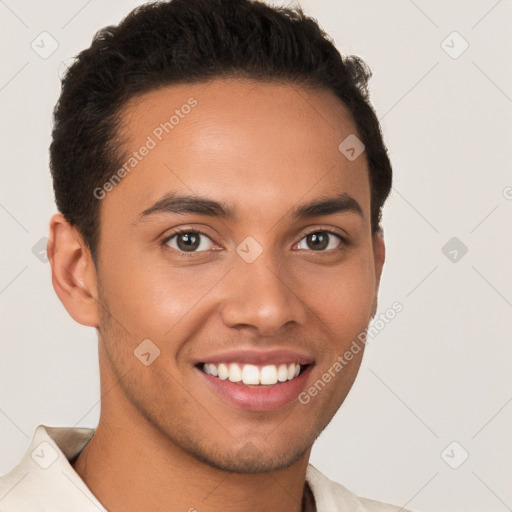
[[260, 145]]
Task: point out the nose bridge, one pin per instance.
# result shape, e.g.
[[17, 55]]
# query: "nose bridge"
[[259, 293]]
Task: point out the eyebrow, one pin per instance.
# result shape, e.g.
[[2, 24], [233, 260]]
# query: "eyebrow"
[[183, 204]]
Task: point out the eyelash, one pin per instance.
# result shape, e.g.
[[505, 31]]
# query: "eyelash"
[[187, 254]]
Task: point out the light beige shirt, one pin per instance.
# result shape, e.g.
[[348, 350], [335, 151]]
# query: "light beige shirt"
[[45, 481]]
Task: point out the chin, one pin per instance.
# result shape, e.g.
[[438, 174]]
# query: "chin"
[[250, 460]]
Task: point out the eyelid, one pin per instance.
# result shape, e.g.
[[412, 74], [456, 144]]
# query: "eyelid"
[[179, 231], [325, 229]]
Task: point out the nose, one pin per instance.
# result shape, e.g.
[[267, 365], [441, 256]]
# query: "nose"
[[262, 295]]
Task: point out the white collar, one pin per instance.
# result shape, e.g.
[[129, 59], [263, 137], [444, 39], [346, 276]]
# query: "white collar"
[[45, 480]]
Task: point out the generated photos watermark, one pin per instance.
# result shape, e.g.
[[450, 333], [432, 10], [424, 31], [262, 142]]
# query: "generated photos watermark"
[[152, 140], [362, 339]]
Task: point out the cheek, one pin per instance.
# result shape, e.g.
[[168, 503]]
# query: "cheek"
[[344, 297], [149, 297]]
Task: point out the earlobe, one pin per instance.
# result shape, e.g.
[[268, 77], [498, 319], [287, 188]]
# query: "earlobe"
[[73, 272]]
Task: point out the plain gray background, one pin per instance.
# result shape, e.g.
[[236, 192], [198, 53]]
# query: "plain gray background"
[[439, 372]]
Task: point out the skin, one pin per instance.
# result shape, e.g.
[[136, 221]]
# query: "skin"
[[165, 440]]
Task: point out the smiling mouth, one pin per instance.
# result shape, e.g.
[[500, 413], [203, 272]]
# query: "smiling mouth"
[[253, 375]]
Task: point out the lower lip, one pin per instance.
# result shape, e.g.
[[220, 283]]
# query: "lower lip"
[[264, 398]]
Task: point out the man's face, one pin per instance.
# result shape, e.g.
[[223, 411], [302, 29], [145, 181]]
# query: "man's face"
[[264, 287]]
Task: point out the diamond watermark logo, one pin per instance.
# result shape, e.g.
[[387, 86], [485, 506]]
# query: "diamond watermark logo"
[[44, 455], [455, 455], [146, 352], [454, 249], [39, 250], [454, 45], [249, 249], [351, 147], [45, 45]]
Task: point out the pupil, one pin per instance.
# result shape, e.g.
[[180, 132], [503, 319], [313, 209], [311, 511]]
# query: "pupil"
[[318, 241], [188, 241]]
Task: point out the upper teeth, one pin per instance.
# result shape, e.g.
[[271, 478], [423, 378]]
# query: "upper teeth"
[[251, 374]]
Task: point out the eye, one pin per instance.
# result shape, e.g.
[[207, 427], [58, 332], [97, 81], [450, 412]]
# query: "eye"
[[321, 241], [189, 241]]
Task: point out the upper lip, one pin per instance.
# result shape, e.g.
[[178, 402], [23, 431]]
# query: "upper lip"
[[256, 357]]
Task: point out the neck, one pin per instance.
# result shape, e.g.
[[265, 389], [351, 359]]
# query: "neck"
[[129, 466]]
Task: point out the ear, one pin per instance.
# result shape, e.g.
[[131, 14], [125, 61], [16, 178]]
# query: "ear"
[[74, 275], [379, 255]]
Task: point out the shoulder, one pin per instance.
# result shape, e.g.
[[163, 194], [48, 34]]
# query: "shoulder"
[[331, 496], [44, 478]]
